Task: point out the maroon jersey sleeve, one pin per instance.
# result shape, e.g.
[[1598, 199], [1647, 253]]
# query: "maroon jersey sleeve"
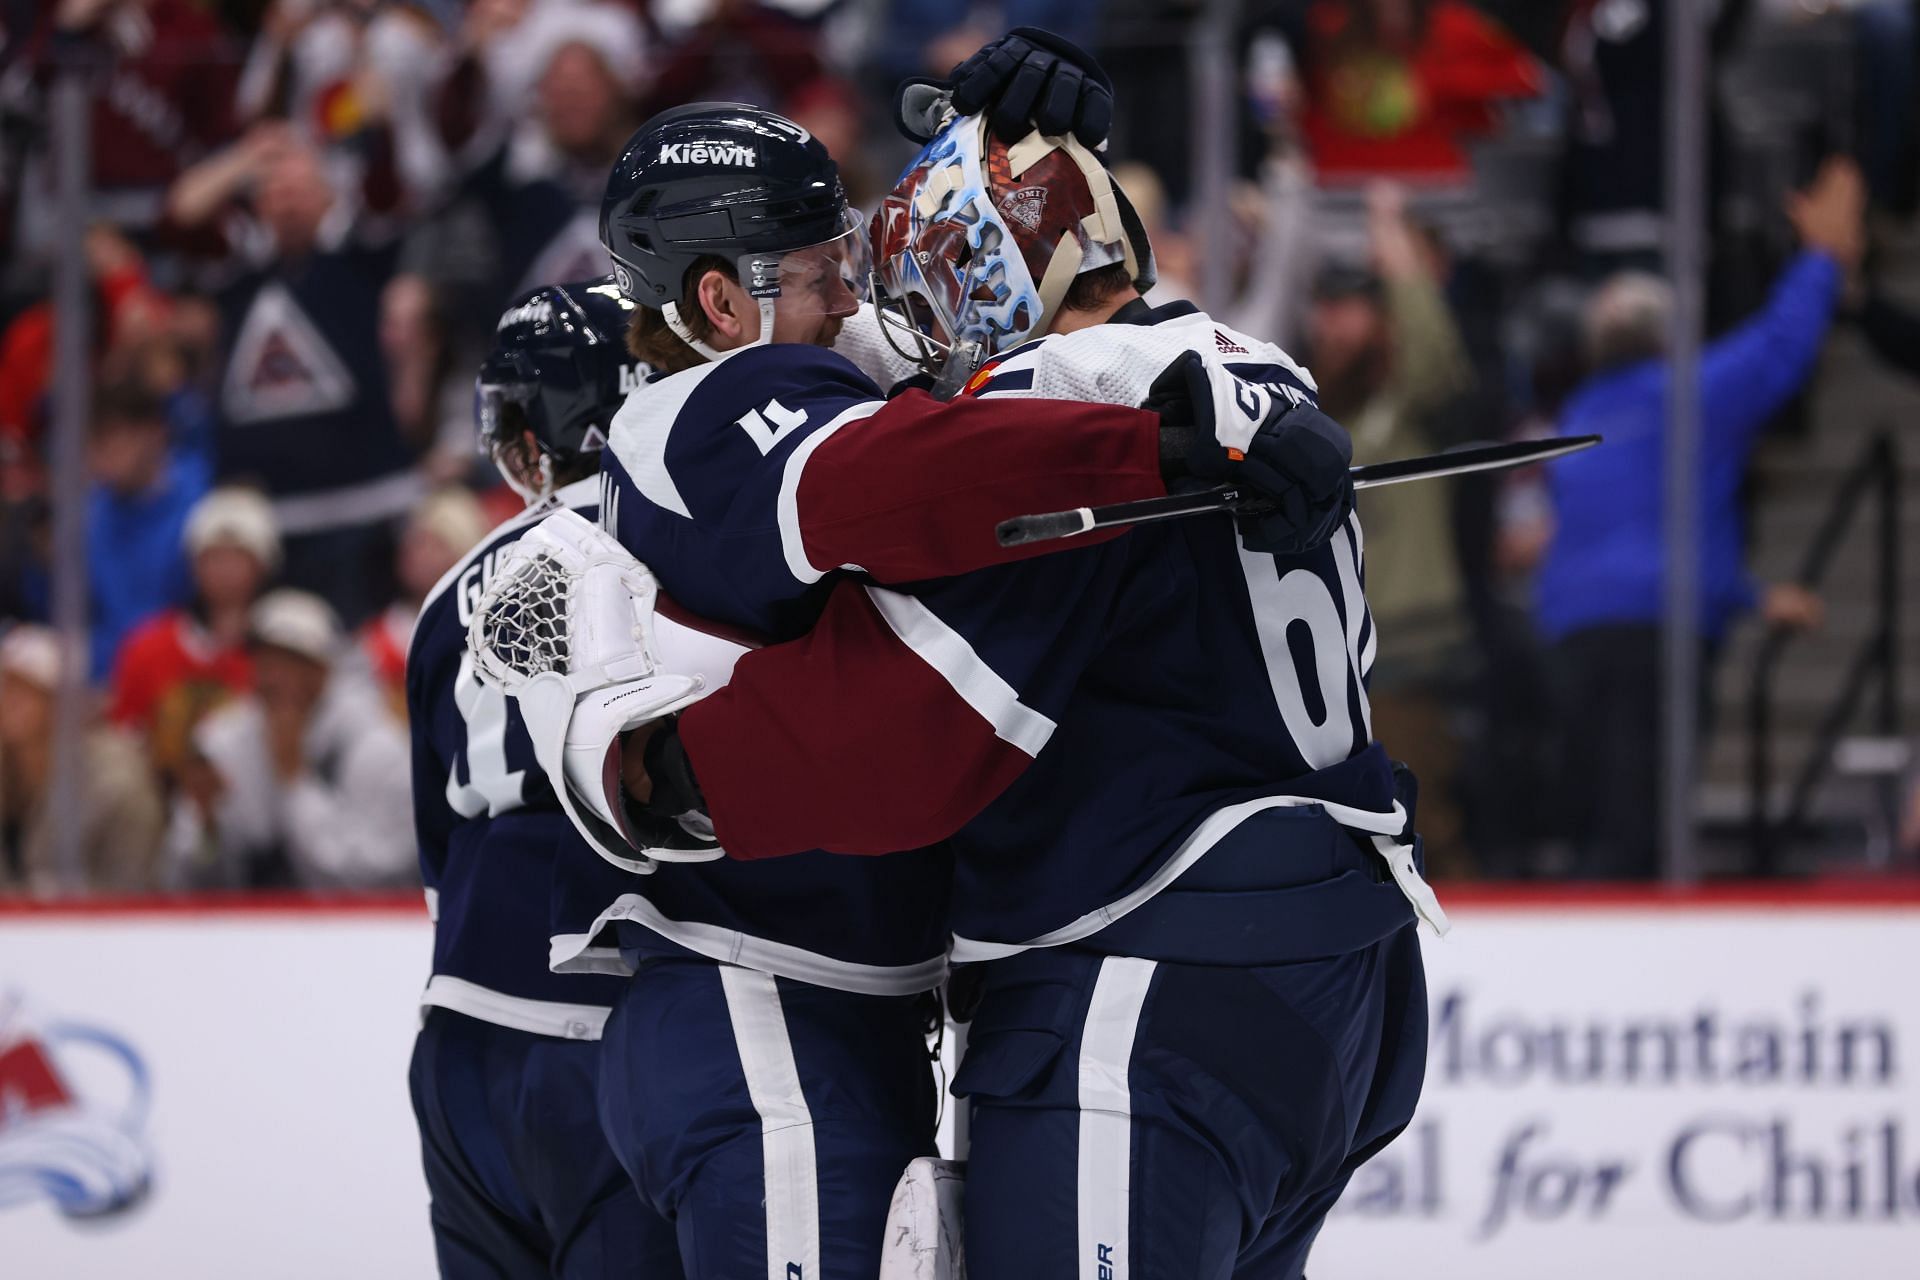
[[845, 740], [914, 490]]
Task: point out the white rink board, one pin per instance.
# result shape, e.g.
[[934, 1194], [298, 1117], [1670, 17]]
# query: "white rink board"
[[282, 1143], [1516, 1172], [281, 1133]]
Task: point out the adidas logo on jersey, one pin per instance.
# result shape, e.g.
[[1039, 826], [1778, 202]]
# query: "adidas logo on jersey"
[[1227, 346], [707, 153]]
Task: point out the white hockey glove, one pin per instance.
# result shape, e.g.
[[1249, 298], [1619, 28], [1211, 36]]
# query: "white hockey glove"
[[568, 628]]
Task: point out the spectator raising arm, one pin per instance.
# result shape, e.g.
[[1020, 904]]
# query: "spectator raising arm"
[[1429, 357], [1748, 375]]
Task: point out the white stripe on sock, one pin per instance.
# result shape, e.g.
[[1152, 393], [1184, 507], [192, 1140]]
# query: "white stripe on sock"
[[1106, 1115], [792, 1187]]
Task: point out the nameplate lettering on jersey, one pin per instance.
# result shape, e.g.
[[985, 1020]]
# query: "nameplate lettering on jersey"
[[733, 153], [764, 437]]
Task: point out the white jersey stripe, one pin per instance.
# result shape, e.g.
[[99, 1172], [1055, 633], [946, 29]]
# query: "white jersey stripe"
[[572, 953], [1106, 1116], [639, 431], [787, 505], [1217, 826], [791, 1189], [553, 1018], [979, 685]]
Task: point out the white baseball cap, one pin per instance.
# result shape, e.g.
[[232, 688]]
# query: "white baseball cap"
[[297, 621], [237, 517], [614, 32]]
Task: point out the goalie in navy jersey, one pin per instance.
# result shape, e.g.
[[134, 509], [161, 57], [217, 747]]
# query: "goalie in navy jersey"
[[505, 1067], [1186, 882]]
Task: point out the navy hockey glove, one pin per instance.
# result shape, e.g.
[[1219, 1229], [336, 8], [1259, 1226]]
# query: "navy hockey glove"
[[1027, 79], [1286, 454]]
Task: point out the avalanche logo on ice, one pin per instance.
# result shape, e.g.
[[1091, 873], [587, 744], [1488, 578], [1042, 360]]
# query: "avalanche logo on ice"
[[73, 1111]]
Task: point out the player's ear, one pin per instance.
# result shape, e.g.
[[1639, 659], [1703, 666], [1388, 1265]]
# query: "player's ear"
[[723, 302]]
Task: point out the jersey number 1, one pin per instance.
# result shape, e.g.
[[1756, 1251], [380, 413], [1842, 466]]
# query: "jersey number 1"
[[491, 788]]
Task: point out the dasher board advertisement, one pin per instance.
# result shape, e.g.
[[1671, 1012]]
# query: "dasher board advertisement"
[[1616, 1087]]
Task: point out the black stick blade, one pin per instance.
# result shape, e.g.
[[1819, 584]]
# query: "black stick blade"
[[1021, 530]]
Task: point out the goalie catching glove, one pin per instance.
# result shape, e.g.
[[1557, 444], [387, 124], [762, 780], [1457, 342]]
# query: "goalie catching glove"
[[569, 628]]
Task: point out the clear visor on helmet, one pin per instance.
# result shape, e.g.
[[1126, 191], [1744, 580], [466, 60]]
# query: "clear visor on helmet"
[[489, 402], [830, 278], [529, 474]]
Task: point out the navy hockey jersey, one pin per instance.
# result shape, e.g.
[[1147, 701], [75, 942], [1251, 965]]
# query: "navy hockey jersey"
[[1085, 726], [491, 832], [303, 407], [724, 479]]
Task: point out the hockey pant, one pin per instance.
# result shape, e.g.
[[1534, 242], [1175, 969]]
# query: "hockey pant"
[[1135, 1120], [523, 1183], [769, 1120]]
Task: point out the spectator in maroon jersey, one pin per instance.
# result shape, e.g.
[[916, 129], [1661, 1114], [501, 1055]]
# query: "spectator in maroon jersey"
[[166, 100]]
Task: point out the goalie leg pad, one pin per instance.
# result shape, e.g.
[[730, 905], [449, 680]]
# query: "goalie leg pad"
[[925, 1238]]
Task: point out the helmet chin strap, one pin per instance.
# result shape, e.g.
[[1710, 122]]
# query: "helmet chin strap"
[[534, 492], [671, 314]]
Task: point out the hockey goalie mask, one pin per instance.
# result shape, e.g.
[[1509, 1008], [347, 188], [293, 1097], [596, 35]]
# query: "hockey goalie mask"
[[977, 243]]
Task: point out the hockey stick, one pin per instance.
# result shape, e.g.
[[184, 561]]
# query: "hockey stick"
[[1047, 526]]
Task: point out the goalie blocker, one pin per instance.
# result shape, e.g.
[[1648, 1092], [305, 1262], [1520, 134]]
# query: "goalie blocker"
[[572, 627]]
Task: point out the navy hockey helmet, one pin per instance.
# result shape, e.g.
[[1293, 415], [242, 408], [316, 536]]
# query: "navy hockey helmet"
[[558, 368], [727, 180]]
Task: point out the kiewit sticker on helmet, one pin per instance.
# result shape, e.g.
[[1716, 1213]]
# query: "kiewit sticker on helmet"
[[728, 153]]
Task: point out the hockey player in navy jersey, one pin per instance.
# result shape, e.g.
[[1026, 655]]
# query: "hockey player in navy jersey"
[[765, 1076], [755, 1077], [504, 1070], [1186, 883]]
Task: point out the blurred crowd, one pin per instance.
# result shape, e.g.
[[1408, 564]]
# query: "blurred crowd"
[[305, 215]]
